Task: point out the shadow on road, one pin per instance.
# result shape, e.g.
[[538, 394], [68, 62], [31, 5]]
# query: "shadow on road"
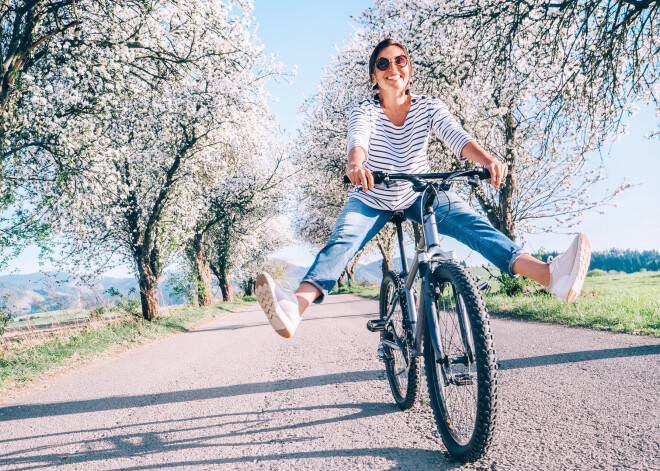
[[575, 357], [403, 458], [144, 400], [369, 315], [194, 435]]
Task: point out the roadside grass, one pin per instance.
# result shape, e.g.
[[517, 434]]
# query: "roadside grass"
[[370, 292], [22, 360], [618, 302]]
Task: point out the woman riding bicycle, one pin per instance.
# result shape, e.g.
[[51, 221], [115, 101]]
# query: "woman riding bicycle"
[[390, 132]]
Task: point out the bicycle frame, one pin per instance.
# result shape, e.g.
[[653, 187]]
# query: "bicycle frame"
[[425, 261]]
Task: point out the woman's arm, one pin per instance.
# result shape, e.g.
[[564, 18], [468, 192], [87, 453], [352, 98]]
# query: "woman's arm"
[[359, 131], [461, 143], [474, 152], [356, 173]]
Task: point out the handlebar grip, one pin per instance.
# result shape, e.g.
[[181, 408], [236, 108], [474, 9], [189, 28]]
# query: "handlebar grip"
[[379, 177]]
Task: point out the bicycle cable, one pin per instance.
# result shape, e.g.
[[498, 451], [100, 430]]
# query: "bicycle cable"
[[421, 208]]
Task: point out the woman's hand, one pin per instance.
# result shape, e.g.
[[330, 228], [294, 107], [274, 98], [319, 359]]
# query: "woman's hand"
[[498, 171], [474, 152], [358, 175]]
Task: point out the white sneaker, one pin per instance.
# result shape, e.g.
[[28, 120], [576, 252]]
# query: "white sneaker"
[[568, 270], [279, 305]]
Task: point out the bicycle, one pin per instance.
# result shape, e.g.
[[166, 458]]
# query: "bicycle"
[[447, 324]]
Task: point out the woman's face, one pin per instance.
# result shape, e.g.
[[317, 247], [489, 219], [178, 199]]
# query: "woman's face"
[[395, 77]]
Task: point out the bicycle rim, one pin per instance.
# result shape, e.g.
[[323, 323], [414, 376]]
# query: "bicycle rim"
[[398, 359], [403, 370], [457, 376]]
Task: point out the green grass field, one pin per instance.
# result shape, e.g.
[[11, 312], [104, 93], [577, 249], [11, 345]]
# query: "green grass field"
[[22, 360], [371, 292], [618, 302]]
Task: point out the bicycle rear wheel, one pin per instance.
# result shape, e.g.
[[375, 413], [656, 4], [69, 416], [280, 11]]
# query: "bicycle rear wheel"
[[462, 381], [401, 367]]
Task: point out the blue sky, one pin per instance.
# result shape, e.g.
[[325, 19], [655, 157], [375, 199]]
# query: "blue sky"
[[304, 34]]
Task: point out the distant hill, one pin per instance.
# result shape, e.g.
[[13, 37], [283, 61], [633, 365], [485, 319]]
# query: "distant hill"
[[370, 273], [35, 292]]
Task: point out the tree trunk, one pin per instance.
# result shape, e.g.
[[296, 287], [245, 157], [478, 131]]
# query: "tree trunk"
[[340, 281], [417, 230], [222, 274], [508, 225], [385, 265], [500, 213], [201, 271], [352, 266], [148, 282], [385, 241], [225, 287]]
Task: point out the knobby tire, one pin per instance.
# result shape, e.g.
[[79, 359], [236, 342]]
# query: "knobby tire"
[[402, 369], [482, 409]]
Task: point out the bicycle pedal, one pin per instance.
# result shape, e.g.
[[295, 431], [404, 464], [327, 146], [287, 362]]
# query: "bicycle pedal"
[[462, 380], [376, 325]]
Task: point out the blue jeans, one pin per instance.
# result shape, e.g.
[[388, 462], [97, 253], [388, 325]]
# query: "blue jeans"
[[358, 224]]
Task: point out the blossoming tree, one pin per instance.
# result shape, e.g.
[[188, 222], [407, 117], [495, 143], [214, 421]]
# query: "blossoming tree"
[[159, 88], [240, 223]]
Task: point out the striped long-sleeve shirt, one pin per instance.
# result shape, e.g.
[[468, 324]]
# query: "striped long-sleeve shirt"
[[400, 149]]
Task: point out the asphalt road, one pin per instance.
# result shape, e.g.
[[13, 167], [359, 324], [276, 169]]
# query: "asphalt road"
[[234, 395]]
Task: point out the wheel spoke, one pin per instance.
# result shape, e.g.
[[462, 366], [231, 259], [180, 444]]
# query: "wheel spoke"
[[460, 395]]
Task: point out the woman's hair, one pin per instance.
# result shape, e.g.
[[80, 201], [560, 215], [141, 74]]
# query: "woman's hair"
[[374, 56]]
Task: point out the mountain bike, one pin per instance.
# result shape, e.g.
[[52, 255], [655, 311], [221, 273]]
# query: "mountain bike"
[[434, 309]]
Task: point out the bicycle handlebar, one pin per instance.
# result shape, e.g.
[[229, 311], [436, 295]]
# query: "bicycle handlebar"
[[380, 177]]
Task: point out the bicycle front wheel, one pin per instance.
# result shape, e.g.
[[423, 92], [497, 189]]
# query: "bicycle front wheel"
[[401, 367], [462, 377]]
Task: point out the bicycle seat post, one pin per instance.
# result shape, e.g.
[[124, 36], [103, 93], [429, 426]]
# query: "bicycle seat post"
[[398, 218]]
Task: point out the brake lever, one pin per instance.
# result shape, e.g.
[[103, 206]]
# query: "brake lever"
[[417, 184], [473, 181]]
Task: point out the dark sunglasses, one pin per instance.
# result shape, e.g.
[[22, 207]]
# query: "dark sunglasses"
[[400, 61]]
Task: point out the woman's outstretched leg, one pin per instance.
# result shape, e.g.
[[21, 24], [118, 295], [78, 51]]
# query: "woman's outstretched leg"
[[306, 293], [356, 225], [564, 275], [532, 268], [282, 307]]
